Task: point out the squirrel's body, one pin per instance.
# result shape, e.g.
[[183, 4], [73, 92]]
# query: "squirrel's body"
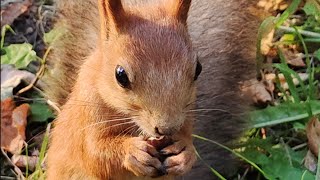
[[152, 44]]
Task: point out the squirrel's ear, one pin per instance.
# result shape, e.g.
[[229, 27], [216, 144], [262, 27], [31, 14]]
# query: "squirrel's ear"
[[112, 16], [179, 9]]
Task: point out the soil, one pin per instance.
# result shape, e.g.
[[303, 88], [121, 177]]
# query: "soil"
[[31, 26]]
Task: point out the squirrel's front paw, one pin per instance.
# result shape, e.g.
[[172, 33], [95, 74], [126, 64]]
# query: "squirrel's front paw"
[[141, 158], [180, 157]]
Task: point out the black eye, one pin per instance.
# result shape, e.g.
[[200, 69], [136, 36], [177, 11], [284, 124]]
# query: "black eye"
[[198, 70], [122, 77]]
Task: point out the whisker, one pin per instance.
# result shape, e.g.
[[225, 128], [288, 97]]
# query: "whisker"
[[127, 130], [114, 125], [96, 106]]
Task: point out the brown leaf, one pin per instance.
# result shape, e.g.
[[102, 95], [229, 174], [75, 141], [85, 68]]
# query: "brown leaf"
[[258, 91], [23, 161], [13, 125], [271, 77], [293, 58], [272, 5], [10, 11], [313, 134], [266, 43], [310, 162]]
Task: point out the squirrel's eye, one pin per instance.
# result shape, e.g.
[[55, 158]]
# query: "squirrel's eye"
[[122, 77], [198, 70]]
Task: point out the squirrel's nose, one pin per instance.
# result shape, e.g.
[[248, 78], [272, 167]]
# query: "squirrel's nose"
[[164, 131]]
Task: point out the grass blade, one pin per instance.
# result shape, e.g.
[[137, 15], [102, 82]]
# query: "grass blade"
[[215, 172], [288, 77], [42, 152], [235, 153], [290, 10], [266, 26]]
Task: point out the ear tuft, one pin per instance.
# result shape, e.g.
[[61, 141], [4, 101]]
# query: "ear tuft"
[[179, 9], [112, 16]]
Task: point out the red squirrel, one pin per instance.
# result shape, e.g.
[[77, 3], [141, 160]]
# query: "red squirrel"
[[130, 71]]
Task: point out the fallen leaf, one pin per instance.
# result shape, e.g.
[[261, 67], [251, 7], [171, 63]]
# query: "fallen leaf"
[[19, 55], [11, 10], [11, 78], [273, 5], [272, 78], [23, 161], [257, 91], [313, 134], [293, 57], [40, 112], [266, 43], [13, 125], [310, 162], [54, 35]]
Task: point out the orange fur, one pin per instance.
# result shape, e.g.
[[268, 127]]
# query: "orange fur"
[[150, 39], [156, 53]]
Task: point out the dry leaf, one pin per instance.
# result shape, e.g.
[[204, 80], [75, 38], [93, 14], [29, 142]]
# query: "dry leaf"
[[23, 161], [13, 125], [310, 162], [293, 57], [313, 134], [273, 5], [11, 77], [257, 91], [11, 10], [266, 43], [272, 78]]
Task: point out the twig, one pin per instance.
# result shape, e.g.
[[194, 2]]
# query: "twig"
[[16, 168], [34, 81], [38, 75], [245, 174], [53, 105], [299, 146], [287, 151]]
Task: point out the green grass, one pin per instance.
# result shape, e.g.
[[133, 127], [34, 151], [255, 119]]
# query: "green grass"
[[280, 155]]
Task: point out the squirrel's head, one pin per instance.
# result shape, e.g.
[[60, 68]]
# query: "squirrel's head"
[[148, 64]]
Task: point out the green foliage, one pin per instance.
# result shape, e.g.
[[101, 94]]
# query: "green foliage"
[[54, 35], [289, 11], [278, 161], [39, 173], [276, 158], [312, 9], [317, 54], [40, 112], [4, 29], [234, 152], [19, 55], [285, 112]]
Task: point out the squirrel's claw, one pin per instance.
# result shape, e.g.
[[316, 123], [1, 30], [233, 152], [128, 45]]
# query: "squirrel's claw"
[[139, 159], [183, 159]]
